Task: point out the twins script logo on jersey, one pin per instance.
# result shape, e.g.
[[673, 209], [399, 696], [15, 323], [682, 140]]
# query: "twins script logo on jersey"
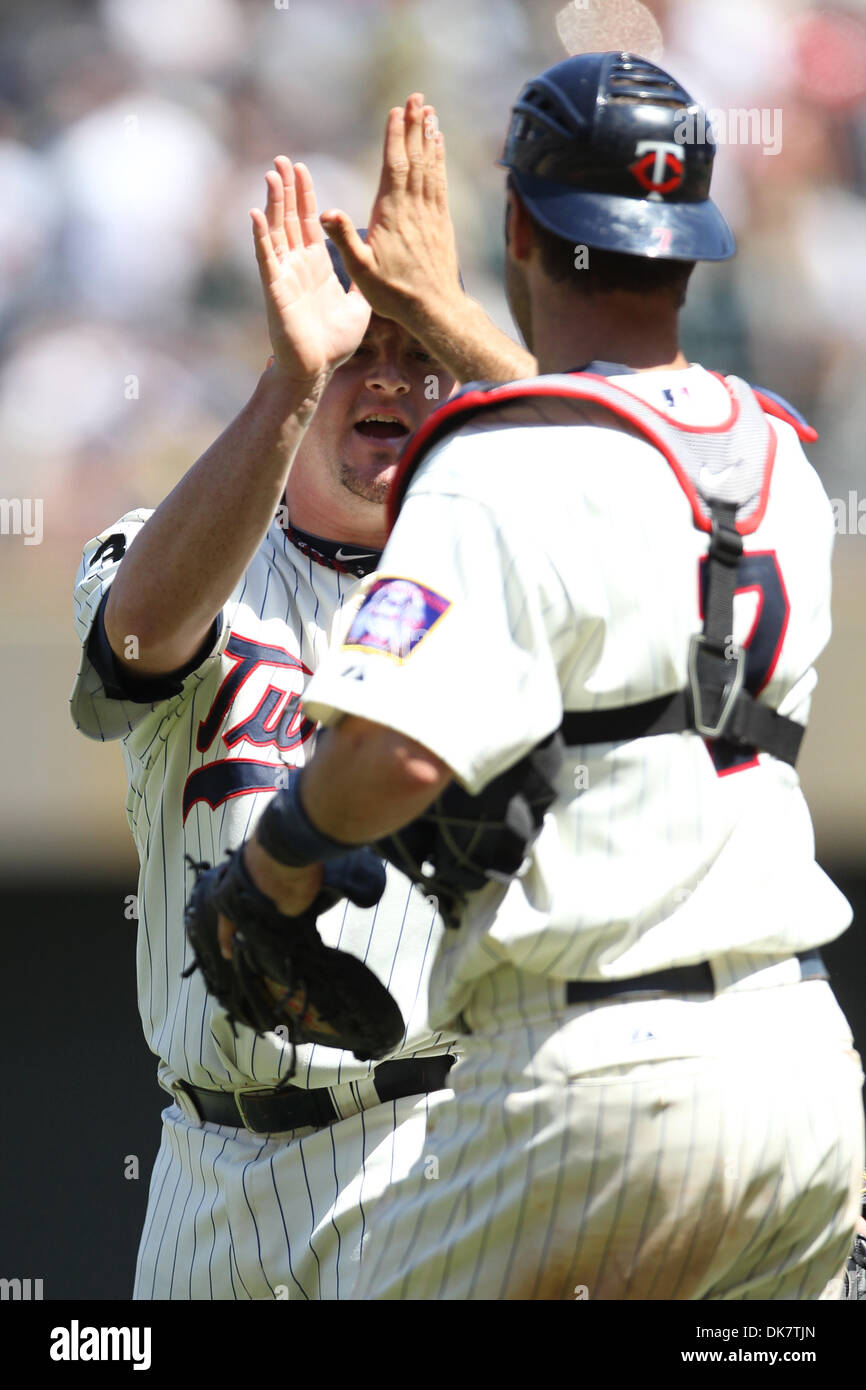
[[661, 169], [278, 678]]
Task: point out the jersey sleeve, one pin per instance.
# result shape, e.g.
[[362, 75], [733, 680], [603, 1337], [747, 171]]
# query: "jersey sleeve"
[[108, 701], [450, 642]]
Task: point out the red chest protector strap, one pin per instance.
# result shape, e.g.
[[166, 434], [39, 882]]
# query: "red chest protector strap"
[[725, 472]]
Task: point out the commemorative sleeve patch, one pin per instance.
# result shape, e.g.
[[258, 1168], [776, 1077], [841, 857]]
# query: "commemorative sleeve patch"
[[395, 616]]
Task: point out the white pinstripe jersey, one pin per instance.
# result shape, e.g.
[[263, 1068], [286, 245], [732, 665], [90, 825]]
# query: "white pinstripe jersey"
[[201, 766], [556, 568]]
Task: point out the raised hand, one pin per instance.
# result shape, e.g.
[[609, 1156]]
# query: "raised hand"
[[410, 256], [313, 324]]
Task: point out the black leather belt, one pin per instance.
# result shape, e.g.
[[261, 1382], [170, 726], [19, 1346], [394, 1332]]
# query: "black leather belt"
[[272, 1111], [677, 979]]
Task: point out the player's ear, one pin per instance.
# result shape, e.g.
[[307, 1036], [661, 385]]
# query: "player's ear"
[[518, 226]]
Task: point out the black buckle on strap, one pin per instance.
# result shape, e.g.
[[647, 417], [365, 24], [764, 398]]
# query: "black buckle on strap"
[[715, 681], [747, 724], [715, 703], [726, 543]]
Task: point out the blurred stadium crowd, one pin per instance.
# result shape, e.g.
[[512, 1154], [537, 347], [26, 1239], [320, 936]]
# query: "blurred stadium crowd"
[[134, 137]]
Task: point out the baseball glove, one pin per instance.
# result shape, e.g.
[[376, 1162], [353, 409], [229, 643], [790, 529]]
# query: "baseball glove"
[[281, 975]]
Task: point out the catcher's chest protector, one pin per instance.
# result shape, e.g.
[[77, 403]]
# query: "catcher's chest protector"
[[725, 472], [740, 451]]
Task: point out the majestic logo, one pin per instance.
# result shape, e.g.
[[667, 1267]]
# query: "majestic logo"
[[660, 168], [276, 722]]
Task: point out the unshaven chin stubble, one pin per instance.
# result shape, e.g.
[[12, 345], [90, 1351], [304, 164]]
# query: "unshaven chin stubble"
[[371, 488]]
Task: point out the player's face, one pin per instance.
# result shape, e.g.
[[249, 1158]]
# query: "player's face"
[[372, 404]]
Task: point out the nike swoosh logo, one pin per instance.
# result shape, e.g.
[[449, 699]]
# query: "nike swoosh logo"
[[355, 555], [708, 477]]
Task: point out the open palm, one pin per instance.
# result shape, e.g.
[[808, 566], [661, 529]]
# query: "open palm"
[[313, 323]]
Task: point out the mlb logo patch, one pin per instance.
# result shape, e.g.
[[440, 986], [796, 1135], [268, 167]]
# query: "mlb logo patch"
[[395, 616]]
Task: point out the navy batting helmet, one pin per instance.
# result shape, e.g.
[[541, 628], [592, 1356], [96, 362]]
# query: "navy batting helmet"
[[608, 150]]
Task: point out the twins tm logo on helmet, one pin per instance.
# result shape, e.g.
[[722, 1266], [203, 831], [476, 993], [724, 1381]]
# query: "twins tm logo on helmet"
[[660, 170]]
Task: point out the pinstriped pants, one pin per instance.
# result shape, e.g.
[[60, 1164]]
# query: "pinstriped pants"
[[233, 1215], [660, 1148]]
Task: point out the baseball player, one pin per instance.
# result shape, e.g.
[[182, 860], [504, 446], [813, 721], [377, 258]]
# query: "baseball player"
[[628, 558], [200, 625]]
